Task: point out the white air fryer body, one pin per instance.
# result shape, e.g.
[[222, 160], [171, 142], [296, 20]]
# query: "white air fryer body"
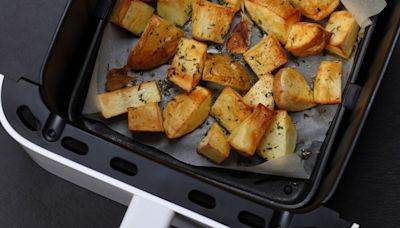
[[144, 209]]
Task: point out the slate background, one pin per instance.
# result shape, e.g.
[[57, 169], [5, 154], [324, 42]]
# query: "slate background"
[[32, 197]]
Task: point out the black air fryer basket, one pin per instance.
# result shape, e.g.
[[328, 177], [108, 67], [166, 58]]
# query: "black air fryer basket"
[[46, 109]]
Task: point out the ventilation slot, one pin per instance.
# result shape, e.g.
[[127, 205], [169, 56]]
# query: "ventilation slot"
[[75, 146], [251, 220], [28, 119], [202, 199], [124, 166]]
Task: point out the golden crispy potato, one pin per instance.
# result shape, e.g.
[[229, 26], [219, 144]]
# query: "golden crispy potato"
[[233, 4], [223, 70], [175, 11], [266, 56], [240, 37], [315, 9], [210, 21], [229, 109], [246, 137], [306, 39], [280, 138], [118, 78], [345, 32], [215, 145], [117, 102], [132, 15], [328, 83], [156, 46], [146, 118], [261, 93], [291, 91], [313, 50], [273, 16], [186, 112], [304, 35], [187, 67]]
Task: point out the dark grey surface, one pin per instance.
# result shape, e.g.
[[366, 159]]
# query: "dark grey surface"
[[26, 30], [370, 189], [32, 197]]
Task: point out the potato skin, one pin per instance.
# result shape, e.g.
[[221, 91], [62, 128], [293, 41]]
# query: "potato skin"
[[233, 4], [229, 109], [215, 145], [345, 32], [223, 70], [187, 67], [146, 118], [307, 39], [280, 139], [328, 83], [156, 46], [210, 21], [315, 9], [185, 112], [240, 38], [246, 137], [291, 91], [118, 78]]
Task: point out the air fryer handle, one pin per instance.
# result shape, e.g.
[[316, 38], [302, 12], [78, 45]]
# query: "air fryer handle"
[[146, 213], [321, 217]]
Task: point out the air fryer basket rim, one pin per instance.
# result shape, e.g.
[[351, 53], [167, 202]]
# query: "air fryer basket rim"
[[316, 175]]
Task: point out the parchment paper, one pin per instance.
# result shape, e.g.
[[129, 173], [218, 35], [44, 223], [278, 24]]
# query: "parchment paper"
[[312, 125], [362, 10]]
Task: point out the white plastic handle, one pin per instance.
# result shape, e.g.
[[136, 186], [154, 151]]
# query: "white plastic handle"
[[145, 210], [146, 213]]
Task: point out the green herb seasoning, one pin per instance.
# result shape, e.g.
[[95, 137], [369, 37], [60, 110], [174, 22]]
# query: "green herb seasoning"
[[141, 98]]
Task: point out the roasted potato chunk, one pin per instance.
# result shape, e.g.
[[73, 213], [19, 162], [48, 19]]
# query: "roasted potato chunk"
[[175, 11], [261, 93], [306, 39], [187, 67], [280, 138], [315, 9], [233, 4], [211, 21], [156, 46], [328, 83], [215, 145], [240, 37], [223, 70], [118, 78], [345, 32], [291, 91], [132, 15], [246, 137], [266, 56], [146, 118], [273, 16], [186, 112], [117, 102], [229, 109]]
